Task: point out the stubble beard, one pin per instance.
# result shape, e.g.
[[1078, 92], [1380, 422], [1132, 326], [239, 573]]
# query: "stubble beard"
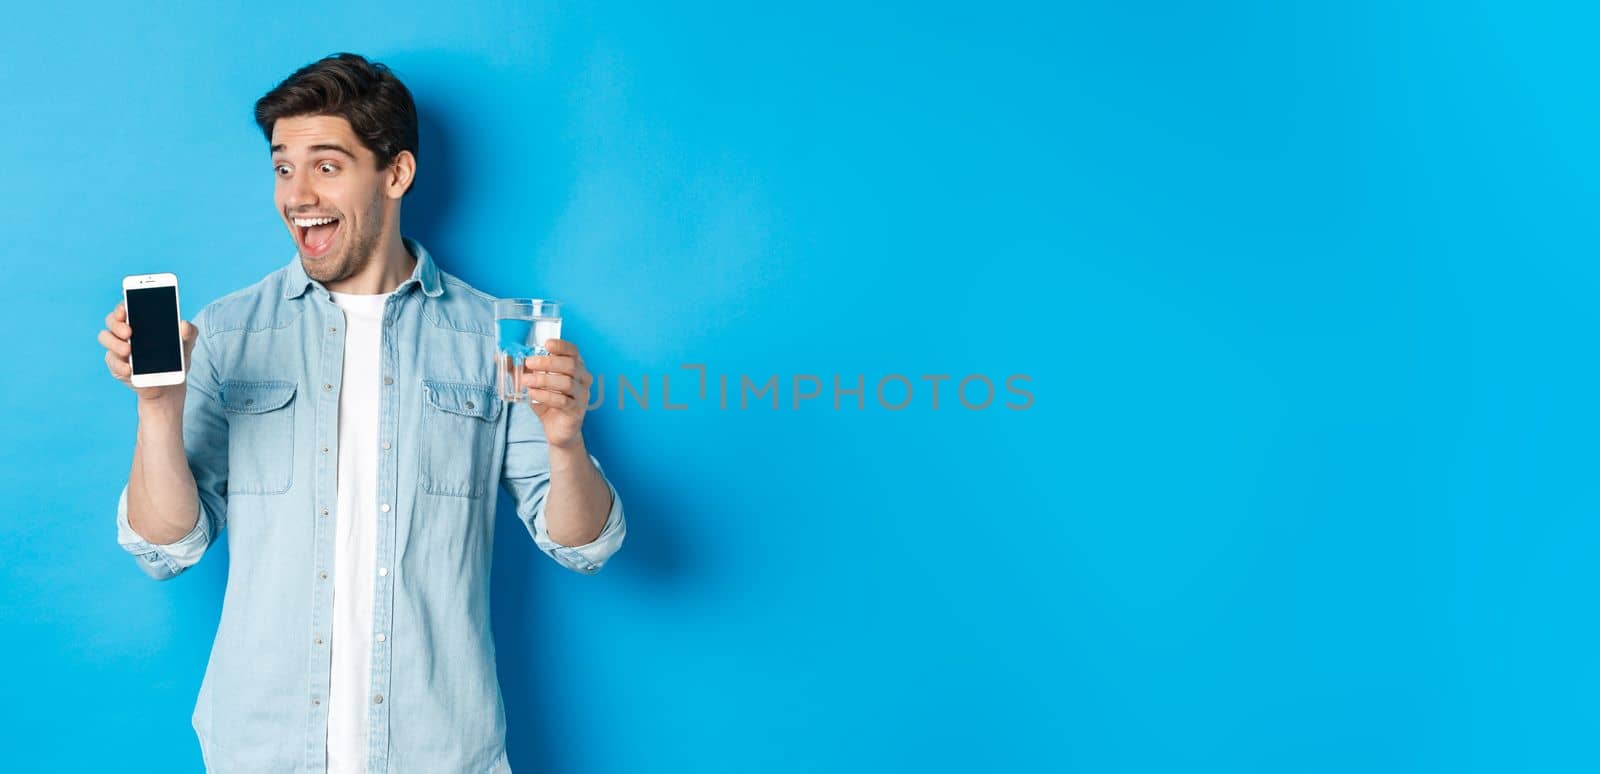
[[355, 256]]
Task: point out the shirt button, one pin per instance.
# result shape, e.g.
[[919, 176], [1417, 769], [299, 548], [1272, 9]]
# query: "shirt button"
[[383, 571], [317, 702], [323, 574], [333, 330], [388, 322], [324, 450], [384, 507], [319, 640], [327, 387], [377, 699], [381, 638], [469, 404], [324, 511], [385, 444], [388, 380]]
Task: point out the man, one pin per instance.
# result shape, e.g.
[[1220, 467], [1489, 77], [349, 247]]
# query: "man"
[[341, 418]]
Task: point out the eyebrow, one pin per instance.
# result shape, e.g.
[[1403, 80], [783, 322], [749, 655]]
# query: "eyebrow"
[[280, 147]]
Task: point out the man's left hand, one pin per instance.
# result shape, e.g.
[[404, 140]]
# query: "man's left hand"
[[560, 382]]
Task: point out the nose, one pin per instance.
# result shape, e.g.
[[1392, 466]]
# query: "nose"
[[301, 194]]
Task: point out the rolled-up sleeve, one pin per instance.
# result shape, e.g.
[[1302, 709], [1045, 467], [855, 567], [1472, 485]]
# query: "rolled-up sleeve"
[[526, 476], [205, 444], [588, 557], [163, 561]]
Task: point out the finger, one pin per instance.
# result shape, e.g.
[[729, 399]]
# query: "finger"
[[551, 398], [119, 313], [119, 367], [187, 330], [561, 347], [114, 344], [560, 364], [557, 382], [117, 323]]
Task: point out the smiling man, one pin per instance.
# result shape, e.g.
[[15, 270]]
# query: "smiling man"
[[340, 417]]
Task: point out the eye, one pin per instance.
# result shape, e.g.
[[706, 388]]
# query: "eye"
[[328, 167], [281, 169]]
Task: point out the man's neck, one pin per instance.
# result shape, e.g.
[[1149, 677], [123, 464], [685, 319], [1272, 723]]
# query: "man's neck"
[[391, 265]]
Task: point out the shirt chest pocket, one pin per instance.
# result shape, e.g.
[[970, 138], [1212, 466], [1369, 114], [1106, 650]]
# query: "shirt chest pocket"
[[456, 442], [260, 435]]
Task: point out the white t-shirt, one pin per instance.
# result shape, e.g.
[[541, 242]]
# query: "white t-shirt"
[[355, 542]]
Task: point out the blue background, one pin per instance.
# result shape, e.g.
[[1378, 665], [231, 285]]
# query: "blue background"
[[1305, 292]]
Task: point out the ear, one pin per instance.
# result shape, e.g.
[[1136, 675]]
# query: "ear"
[[402, 171]]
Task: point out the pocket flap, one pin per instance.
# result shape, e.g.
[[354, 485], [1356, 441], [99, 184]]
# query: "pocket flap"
[[468, 400], [254, 397]]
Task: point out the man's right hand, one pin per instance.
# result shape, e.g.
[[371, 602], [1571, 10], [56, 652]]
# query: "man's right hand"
[[115, 339]]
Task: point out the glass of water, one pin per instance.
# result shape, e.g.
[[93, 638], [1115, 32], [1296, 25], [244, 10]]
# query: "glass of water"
[[522, 326]]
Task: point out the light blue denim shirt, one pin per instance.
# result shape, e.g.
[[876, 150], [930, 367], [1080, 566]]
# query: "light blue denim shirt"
[[260, 428]]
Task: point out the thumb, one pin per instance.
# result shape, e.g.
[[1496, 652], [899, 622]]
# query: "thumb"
[[189, 333]]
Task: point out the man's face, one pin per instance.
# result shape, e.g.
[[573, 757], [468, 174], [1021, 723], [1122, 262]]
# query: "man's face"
[[330, 194]]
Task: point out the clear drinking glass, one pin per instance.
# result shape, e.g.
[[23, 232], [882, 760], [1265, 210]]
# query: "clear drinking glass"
[[522, 326]]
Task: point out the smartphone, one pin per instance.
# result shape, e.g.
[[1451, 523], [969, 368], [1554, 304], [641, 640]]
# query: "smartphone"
[[157, 347]]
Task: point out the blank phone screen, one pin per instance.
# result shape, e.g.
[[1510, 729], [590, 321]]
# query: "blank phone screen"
[[153, 316]]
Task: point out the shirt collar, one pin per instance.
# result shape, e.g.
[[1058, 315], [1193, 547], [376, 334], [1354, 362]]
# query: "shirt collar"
[[426, 274]]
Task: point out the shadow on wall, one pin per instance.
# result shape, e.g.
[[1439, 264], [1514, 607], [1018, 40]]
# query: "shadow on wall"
[[651, 563], [649, 553], [425, 210]]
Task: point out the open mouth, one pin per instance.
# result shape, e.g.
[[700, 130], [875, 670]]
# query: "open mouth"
[[316, 235]]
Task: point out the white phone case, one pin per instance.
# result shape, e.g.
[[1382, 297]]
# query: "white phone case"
[[163, 279]]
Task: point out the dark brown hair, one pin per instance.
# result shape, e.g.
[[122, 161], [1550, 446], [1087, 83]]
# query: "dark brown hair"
[[367, 94]]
